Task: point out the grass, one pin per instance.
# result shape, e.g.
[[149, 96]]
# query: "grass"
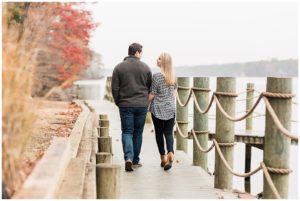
[[18, 111]]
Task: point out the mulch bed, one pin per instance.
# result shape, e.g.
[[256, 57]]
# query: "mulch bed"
[[53, 119]]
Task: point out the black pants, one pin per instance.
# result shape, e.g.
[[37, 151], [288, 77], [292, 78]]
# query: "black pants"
[[164, 128]]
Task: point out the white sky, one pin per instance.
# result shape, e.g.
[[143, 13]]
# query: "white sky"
[[196, 33]]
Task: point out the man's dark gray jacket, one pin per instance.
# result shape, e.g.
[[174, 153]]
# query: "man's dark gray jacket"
[[131, 82]]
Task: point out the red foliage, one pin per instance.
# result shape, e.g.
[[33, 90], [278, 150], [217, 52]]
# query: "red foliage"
[[70, 35]]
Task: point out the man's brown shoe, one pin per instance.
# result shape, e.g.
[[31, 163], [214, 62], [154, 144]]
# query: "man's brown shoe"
[[128, 166], [163, 159], [169, 162]]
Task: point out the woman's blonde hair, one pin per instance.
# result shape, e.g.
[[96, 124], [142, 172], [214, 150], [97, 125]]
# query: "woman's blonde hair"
[[167, 68]]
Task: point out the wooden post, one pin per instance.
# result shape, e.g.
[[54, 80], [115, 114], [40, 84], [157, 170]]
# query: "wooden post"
[[108, 181], [98, 129], [247, 180], [201, 121], [103, 157], [103, 123], [103, 116], [104, 132], [249, 104], [182, 113], [104, 144], [276, 145], [225, 132]]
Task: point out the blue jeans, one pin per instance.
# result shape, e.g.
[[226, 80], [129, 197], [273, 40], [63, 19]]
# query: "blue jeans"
[[132, 122]]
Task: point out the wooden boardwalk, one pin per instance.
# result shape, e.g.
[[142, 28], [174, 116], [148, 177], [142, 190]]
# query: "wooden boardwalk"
[[150, 181]]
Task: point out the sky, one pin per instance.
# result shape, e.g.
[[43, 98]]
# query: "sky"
[[196, 33]]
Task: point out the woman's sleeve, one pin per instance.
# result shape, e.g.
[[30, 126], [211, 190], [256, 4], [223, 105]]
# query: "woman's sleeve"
[[154, 85]]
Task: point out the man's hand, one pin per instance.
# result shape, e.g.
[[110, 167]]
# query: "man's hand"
[[151, 96]]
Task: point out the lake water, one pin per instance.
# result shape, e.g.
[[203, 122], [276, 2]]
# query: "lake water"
[[95, 89]]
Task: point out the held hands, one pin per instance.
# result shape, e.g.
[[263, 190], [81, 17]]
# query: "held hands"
[[151, 96], [175, 94]]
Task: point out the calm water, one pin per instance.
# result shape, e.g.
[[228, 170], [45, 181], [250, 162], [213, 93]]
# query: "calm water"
[[94, 89]]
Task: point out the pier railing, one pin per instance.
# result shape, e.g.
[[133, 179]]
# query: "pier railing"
[[277, 139]]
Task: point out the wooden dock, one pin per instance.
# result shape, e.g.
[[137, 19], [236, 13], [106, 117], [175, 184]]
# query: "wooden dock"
[[150, 181]]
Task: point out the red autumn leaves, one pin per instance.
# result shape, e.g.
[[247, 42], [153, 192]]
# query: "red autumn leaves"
[[69, 35]]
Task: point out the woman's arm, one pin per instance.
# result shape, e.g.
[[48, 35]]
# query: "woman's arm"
[[153, 89]]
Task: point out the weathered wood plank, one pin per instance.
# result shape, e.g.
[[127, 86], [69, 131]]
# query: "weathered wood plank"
[[150, 181]]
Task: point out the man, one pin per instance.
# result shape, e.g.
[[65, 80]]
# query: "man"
[[131, 82]]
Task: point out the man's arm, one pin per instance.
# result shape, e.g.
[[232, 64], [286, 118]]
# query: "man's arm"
[[115, 86], [149, 81]]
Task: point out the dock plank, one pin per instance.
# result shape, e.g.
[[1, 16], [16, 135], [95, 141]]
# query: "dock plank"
[[150, 181]]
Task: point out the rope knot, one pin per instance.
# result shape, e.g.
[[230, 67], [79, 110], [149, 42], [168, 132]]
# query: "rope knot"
[[279, 170], [201, 132], [229, 94], [184, 88], [278, 95], [226, 144], [200, 89]]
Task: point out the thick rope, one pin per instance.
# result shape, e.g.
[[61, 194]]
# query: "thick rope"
[[187, 101], [201, 132], [269, 180], [279, 170], [184, 88], [278, 95], [239, 118], [198, 107], [227, 144], [180, 132], [262, 95], [200, 89], [219, 93], [182, 122], [248, 174], [277, 122], [198, 144]]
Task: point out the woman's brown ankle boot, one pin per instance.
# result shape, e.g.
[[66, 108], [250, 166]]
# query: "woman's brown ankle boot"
[[163, 159], [169, 162]]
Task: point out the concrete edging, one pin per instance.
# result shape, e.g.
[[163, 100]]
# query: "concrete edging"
[[46, 178]]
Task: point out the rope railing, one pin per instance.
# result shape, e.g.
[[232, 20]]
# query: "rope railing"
[[244, 99], [269, 180], [263, 95], [248, 113], [188, 99], [180, 132], [262, 166], [198, 144], [277, 121]]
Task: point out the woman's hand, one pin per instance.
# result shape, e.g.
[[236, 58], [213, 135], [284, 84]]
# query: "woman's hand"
[[151, 96], [175, 94]]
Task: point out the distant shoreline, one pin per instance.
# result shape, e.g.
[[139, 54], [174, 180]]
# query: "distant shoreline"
[[263, 68]]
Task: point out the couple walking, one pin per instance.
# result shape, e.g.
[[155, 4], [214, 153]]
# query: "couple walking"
[[133, 89]]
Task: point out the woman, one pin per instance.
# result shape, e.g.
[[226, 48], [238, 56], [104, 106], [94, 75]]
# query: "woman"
[[162, 108]]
